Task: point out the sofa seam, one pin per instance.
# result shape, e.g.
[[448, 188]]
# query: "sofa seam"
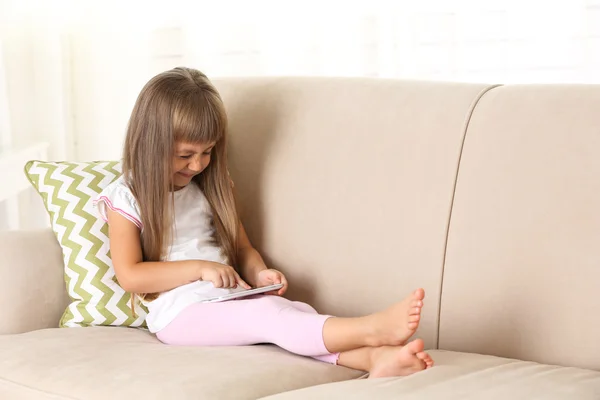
[[465, 129], [58, 396]]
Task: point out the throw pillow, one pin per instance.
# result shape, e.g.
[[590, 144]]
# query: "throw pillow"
[[68, 190]]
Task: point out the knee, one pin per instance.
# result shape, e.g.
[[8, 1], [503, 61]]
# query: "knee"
[[275, 303], [307, 308], [279, 304]]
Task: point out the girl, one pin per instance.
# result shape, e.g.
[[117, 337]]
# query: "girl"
[[175, 239]]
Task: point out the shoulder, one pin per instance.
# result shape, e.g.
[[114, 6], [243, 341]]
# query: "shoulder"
[[117, 196], [117, 190], [119, 184]]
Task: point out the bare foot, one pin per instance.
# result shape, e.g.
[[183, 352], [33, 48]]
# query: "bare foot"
[[426, 358], [395, 325], [391, 361]]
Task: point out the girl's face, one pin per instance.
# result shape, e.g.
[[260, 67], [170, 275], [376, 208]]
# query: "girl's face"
[[189, 160]]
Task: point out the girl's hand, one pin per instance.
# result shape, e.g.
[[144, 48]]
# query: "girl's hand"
[[268, 277], [222, 276]]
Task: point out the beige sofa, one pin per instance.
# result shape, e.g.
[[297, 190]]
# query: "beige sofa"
[[361, 190]]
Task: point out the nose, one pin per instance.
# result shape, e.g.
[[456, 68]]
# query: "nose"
[[195, 164]]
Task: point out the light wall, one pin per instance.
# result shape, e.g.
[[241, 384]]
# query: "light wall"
[[73, 69]]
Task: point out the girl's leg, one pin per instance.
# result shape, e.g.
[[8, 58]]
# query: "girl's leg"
[[273, 319], [393, 326], [263, 319], [380, 362], [328, 358], [388, 361], [390, 327]]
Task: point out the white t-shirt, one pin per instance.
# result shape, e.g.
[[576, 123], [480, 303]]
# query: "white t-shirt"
[[192, 240]]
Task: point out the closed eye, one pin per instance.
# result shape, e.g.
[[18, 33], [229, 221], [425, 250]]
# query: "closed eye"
[[187, 157]]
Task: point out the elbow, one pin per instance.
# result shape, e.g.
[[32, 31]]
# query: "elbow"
[[127, 285], [126, 279]]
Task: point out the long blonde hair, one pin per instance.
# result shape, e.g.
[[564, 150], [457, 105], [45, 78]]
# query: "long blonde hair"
[[178, 105]]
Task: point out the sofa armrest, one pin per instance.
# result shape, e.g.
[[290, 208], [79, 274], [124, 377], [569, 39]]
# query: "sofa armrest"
[[32, 286]]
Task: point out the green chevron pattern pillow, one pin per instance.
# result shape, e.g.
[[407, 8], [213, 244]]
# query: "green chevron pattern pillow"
[[68, 190]]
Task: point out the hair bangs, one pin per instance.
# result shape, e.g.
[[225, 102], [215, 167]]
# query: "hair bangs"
[[199, 119]]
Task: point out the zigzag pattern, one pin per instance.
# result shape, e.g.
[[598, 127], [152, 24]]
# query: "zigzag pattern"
[[68, 190]]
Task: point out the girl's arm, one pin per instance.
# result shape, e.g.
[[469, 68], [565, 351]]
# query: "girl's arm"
[[250, 261], [137, 276]]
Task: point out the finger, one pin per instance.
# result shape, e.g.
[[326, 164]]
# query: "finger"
[[232, 279], [273, 293], [241, 282], [285, 286], [232, 275], [229, 279], [275, 276], [218, 281], [225, 280]]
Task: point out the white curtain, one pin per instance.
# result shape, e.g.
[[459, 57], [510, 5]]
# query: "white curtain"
[[512, 41], [74, 68], [5, 132], [37, 72]]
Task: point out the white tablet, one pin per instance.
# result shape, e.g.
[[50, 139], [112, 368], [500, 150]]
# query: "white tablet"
[[243, 293]]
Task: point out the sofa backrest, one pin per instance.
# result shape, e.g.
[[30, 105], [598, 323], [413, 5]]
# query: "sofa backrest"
[[346, 184], [32, 285], [522, 271]]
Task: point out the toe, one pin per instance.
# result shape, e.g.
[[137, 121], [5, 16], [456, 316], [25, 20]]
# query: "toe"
[[419, 294], [416, 303], [415, 311], [414, 318], [427, 359], [416, 347]]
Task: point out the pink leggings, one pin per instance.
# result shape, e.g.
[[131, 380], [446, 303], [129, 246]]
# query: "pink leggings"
[[293, 326]]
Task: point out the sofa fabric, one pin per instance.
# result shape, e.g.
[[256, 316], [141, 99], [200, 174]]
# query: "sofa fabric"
[[523, 261], [459, 376], [346, 184], [124, 363], [32, 287]]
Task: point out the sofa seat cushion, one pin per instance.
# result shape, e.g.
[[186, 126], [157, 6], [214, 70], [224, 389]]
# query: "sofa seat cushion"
[[126, 363], [466, 376]]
